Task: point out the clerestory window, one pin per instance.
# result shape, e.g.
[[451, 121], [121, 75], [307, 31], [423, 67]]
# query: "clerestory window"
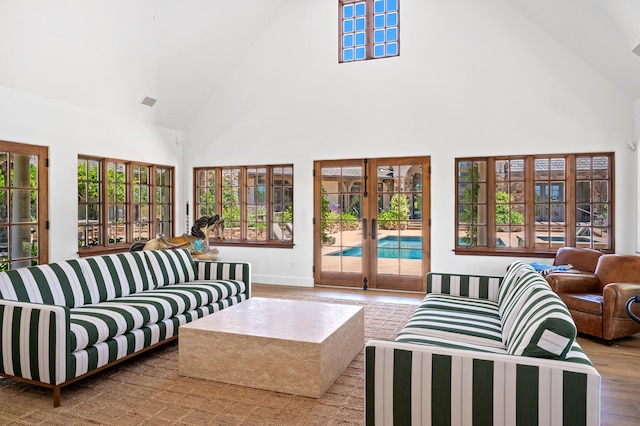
[[368, 29]]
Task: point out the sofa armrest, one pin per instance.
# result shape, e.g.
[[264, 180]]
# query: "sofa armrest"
[[34, 341], [568, 282], [219, 270], [615, 297], [422, 384]]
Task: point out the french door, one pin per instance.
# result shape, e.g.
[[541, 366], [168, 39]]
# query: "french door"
[[23, 205], [371, 223]]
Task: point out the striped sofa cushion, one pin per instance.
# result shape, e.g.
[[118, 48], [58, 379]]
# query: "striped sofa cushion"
[[543, 327], [515, 298], [208, 270], [98, 323], [480, 287], [67, 283], [409, 337], [472, 323], [100, 354], [511, 284], [170, 266], [117, 275]]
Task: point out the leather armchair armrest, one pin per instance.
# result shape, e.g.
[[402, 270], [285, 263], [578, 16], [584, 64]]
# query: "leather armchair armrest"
[[615, 296], [561, 282]]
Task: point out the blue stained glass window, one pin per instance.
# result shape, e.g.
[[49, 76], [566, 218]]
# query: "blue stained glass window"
[[347, 11], [392, 19], [360, 24], [378, 6], [378, 50], [392, 49], [348, 40], [378, 36], [348, 26], [360, 53], [378, 21], [360, 39], [392, 34], [347, 55], [360, 9], [392, 5]]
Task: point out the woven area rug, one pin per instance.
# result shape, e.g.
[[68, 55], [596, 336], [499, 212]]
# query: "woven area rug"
[[148, 390]]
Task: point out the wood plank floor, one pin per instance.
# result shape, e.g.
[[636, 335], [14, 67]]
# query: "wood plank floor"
[[618, 364]]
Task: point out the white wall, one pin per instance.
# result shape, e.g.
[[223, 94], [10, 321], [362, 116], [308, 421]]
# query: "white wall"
[[473, 78], [70, 130]]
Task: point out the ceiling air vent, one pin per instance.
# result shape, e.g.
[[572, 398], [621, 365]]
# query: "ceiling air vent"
[[148, 101], [636, 50]]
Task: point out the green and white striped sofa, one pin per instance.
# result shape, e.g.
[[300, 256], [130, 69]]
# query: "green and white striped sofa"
[[62, 321], [483, 350]]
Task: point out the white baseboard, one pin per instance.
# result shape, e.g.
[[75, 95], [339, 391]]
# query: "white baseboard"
[[282, 280]]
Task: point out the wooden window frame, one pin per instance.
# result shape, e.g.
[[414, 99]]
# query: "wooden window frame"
[[42, 223], [105, 246], [216, 207], [529, 247], [369, 31]]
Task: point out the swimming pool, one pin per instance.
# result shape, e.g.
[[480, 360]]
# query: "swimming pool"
[[499, 242], [390, 247], [560, 239]]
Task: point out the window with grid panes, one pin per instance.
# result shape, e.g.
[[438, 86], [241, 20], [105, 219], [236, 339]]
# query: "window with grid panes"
[[118, 220], [141, 202], [164, 200], [368, 29], [534, 204], [256, 202], [115, 203]]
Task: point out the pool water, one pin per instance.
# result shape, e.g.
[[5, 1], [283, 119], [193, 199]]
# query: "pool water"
[[499, 242], [560, 239], [390, 247]]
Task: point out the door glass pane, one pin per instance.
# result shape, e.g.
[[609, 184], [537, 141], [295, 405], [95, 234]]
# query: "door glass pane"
[[18, 209], [341, 216], [399, 236]]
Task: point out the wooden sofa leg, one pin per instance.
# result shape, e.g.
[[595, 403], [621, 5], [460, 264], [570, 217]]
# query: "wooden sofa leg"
[[56, 396]]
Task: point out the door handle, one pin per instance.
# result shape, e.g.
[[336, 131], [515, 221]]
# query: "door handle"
[[374, 229], [364, 229]]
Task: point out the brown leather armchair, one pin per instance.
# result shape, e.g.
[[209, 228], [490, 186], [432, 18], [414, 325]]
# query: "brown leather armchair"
[[582, 259], [597, 301]]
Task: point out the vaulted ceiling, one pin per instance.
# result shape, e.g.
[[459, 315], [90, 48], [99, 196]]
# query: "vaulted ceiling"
[[602, 32], [108, 54]]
